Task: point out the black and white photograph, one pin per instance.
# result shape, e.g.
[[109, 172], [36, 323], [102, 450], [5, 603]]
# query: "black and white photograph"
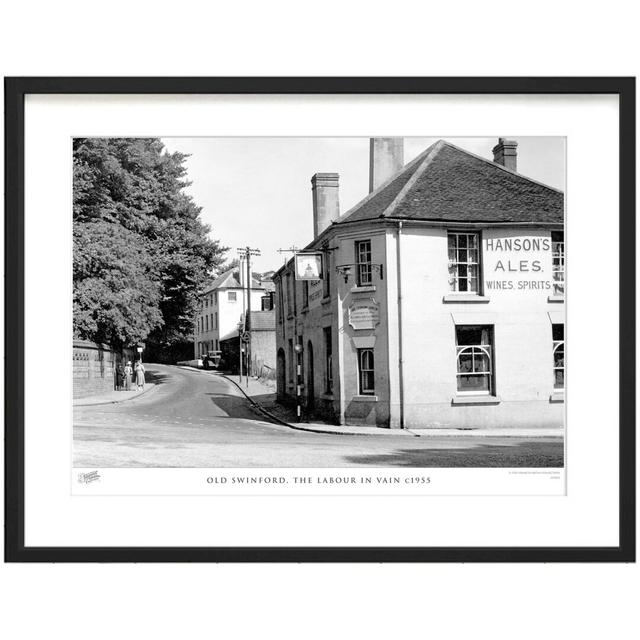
[[320, 320], [315, 302], [300, 327]]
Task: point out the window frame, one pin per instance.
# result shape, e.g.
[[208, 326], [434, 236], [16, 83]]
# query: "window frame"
[[476, 350], [328, 361], [289, 295], [234, 298], [557, 263], [366, 264], [556, 345], [362, 371], [326, 281], [454, 286]]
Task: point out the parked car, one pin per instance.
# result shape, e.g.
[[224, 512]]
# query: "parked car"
[[191, 363], [212, 359]]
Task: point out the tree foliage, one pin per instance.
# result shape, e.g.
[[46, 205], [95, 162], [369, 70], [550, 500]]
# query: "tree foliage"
[[141, 251]]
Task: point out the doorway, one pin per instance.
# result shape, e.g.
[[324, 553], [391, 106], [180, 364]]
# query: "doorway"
[[280, 373]]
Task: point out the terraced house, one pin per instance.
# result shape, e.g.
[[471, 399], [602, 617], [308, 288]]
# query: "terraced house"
[[222, 306], [442, 301]]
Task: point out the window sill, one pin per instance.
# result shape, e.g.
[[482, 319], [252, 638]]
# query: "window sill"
[[369, 288], [465, 298], [304, 309], [290, 316], [326, 396], [326, 300], [475, 400], [365, 398], [557, 396], [555, 299]]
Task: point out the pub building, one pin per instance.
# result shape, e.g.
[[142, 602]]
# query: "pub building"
[[441, 301]]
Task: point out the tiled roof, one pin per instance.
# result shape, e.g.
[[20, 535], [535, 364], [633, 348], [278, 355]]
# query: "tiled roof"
[[231, 280], [446, 183]]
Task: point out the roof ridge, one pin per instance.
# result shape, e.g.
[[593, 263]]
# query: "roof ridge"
[[501, 166], [223, 279], [432, 152]]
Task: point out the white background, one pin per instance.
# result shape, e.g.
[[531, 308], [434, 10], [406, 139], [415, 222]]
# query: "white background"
[[53, 517], [191, 601]]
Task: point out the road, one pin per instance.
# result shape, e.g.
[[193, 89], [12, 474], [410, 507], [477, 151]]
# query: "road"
[[198, 419]]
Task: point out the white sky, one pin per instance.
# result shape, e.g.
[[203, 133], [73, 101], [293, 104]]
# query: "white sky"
[[257, 191]]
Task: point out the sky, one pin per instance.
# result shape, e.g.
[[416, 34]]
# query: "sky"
[[257, 191]]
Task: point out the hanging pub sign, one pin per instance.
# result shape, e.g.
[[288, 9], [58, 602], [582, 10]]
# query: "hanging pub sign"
[[309, 266]]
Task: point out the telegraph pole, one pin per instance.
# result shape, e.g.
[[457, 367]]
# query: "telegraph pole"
[[292, 249], [247, 252]]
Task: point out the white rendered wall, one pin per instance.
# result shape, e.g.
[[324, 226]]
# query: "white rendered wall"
[[522, 358]]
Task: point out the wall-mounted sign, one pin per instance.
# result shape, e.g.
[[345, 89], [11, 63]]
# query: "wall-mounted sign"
[[517, 262], [364, 315], [309, 266]]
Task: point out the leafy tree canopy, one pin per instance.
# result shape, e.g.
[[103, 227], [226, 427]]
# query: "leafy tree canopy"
[[141, 251]]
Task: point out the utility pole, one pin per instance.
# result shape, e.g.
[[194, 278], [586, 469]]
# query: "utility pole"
[[240, 348], [292, 249], [247, 252]]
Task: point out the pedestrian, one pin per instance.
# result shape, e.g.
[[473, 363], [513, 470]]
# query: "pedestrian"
[[139, 375], [128, 372], [119, 377]]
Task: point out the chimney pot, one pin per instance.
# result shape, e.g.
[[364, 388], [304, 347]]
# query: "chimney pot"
[[326, 202], [506, 153], [386, 157]]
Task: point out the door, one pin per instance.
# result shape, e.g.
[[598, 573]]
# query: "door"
[[281, 373]]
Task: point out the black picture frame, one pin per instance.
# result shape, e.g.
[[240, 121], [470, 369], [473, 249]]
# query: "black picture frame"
[[15, 91]]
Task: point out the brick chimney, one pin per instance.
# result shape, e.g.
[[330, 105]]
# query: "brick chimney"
[[326, 203], [386, 157], [506, 153]]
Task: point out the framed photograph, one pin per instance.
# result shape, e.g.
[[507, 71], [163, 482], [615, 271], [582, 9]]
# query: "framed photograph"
[[320, 319]]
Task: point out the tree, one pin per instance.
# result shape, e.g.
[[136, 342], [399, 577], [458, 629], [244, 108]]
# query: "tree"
[[141, 251], [116, 298]]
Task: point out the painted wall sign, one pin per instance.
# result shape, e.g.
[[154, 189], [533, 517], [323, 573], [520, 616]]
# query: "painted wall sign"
[[364, 315], [517, 262], [315, 293]]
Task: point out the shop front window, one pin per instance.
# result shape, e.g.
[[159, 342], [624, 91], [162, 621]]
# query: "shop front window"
[[474, 354]]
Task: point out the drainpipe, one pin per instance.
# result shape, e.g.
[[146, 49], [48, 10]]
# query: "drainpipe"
[[400, 346]]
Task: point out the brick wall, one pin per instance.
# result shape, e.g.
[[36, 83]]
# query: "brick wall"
[[94, 367]]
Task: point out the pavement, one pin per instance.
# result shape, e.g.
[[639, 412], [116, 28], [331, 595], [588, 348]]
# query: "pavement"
[[112, 397], [263, 393], [197, 419]]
